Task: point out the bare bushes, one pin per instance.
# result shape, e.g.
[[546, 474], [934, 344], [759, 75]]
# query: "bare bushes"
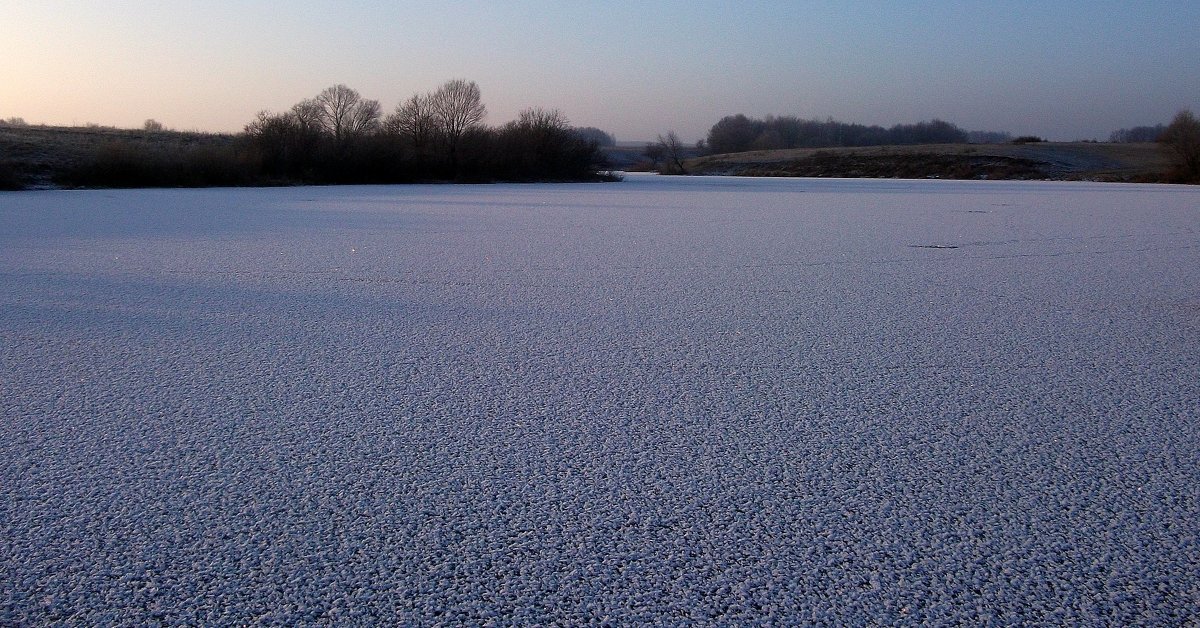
[[1182, 139], [8, 177], [129, 164], [541, 145]]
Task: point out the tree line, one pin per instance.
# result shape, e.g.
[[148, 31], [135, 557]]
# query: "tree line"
[[1181, 138], [337, 136], [1137, 134], [738, 133], [340, 137]]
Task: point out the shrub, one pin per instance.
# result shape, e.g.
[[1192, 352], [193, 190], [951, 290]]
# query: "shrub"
[[124, 164], [8, 177], [541, 145], [1182, 138]]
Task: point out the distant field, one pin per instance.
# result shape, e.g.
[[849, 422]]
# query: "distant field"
[[1049, 160]]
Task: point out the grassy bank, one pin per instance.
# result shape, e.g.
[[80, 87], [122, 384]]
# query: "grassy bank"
[[48, 157]]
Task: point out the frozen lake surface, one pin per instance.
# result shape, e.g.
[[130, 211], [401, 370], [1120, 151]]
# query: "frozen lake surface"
[[667, 400]]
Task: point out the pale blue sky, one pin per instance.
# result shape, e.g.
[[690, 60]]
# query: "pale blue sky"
[[1066, 70]]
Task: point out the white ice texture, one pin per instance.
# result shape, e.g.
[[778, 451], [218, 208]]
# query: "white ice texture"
[[663, 401]]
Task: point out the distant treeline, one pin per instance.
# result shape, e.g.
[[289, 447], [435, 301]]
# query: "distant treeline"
[[1138, 134], [340, 137], [735, 134]]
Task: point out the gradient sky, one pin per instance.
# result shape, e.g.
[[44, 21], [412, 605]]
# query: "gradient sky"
[[1062, 69]]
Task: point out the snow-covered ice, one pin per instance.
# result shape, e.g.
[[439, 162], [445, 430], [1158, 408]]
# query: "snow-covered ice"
[[669, 400]]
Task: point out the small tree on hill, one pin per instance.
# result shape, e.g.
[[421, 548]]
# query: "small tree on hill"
[[673, 153]]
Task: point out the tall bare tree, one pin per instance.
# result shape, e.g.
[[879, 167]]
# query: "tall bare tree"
[[344, 113], [458, 107]]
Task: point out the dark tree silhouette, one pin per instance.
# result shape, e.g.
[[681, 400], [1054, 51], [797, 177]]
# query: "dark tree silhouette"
[[457, 107], [735, 134], [338, 137], [1182, 138], [414, 119], [540, 144], [673, 153], [343, 113], [592, 134]]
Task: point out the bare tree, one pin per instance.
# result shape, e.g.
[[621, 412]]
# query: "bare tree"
[[152, 125], [265, 123], [364, 117], [414, 119], [673, 152], [540, 132], [307, 115], [344, 113], [457, 107], [1182, 137], [538, 118]]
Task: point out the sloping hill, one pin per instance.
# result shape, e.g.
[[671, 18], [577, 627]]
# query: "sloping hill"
[[1047, 160], [36, 156]]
